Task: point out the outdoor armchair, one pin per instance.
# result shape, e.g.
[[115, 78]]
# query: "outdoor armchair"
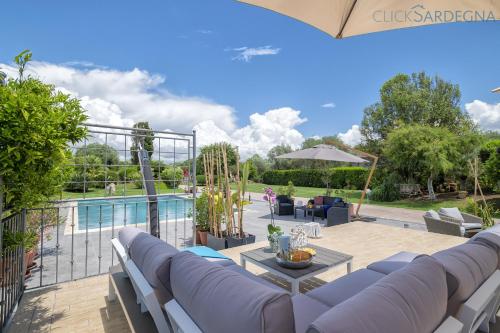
[[284, 205], [469, 222], [439, 226]]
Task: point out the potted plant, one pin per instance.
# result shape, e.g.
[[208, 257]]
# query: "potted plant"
[[273, 231], [240, 237], [28, 240], [225, 230], [202, 225]]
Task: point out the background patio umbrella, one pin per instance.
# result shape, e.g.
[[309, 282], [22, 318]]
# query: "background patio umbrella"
[[324, 153], [497, 90], [344, 18], [331, 153]]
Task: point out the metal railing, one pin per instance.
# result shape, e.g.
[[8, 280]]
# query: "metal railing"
[[75, 236], [12, 266]]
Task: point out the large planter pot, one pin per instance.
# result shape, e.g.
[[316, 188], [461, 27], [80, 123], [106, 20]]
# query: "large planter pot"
[[216, 243], [234, 241], [202, 236]]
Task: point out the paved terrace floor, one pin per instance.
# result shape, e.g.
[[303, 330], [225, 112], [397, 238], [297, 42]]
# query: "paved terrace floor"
[[82, 306]]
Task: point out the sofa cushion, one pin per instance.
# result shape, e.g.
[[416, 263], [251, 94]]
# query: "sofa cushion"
[[454, 213], [220, 300], [345, 287], [153, 257], [411, 300], [489, 237], [305, 311], [432, 214], [318, 201], [469, 265], [393, 263], [126, 235], [240, 270]]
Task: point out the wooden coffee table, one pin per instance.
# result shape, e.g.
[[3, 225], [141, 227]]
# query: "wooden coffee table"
[[323, 261]]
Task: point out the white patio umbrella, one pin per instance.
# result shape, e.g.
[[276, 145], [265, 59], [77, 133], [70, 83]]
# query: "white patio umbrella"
[[331, 153], [345, 18]]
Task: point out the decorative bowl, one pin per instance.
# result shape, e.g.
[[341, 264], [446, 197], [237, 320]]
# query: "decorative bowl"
[[297, 260]]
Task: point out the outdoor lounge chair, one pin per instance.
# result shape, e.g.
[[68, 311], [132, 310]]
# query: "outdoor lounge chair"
[[435, 224], [283, 205], [470, 222]]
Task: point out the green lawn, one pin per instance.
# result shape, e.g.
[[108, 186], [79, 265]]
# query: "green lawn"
[[127, 190], [354, 195]]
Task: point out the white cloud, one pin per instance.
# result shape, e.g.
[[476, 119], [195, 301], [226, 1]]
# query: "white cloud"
[[138, 95], [204, 31], [352, 137], [122, 98], [265, 131], [487, 116], [329, 105], [247, 53]]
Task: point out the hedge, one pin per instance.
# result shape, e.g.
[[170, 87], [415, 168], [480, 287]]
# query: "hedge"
[[340, 177]]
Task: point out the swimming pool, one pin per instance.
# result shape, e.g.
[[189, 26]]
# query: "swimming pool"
[[129, 211]]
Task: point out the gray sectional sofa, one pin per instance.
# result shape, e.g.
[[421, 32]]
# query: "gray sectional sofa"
[[406, 292]]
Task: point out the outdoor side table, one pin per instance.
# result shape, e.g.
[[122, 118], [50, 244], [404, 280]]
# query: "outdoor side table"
[[324, 260]]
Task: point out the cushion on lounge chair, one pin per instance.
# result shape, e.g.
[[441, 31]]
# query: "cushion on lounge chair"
[[410, 300], [454, 213], [126, 236], [345, 287], [472, 226], [432, 214], [153, 257], [393, 263], [219, 300], [305, 311], [469, 265]]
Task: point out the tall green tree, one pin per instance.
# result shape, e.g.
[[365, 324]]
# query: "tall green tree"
[[276, 151], [107, 154], [141, 136], [37, 123], [413, 99], [422, 152], [215, 147]]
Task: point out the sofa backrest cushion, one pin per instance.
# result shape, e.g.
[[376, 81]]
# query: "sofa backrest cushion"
[[153, 258], [221, 300], [127, 235], [489, 237], [454, 213], [432, 214], [318, 200], [470, 265], [411, 300]]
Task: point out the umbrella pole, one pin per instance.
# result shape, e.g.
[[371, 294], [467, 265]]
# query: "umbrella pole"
[[363, 194]]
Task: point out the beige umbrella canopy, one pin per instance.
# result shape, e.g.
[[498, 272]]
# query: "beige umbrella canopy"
[[331, 153], [324, 153], [497, 90], [345, 18]]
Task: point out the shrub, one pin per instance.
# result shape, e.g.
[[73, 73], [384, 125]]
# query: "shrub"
[[288, 190], [387, 191], [136, 177], [340, 177], [172, 176]]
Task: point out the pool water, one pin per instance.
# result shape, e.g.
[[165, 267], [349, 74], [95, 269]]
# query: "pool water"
[[129, 211]]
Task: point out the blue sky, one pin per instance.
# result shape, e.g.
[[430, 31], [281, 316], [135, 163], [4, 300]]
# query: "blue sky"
[[191, 44]]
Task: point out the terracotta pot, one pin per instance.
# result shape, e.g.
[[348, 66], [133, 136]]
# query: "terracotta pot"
[[29, 258], [202, 236], [198, 240]]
